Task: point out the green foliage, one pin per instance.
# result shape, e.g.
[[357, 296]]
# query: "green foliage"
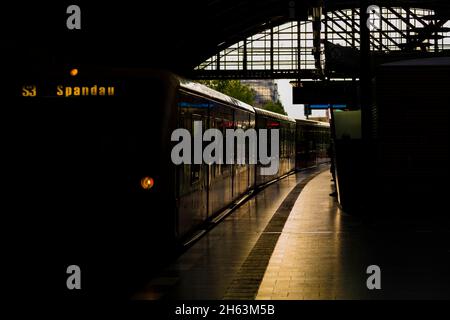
[[232, 88], [275, 107], [242, 92]]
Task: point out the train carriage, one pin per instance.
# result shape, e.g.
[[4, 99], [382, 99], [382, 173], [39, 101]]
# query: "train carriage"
[[312, 143], [205, 189], [286, 126]]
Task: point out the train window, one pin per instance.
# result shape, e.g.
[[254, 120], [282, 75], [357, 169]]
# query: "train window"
[[195, 173]]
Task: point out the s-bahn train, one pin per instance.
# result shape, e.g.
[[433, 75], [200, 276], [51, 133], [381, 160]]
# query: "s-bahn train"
[[312, 143], [100, 146]]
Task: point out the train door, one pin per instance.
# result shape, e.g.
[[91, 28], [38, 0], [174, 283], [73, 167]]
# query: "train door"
[[240, 177], [233, 166], [193, 177], [220, 174], [215, 121], [251, 167], [260, 123], [202, 188]]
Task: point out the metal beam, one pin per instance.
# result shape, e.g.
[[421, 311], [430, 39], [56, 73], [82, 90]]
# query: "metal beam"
[[337, 32], [357, 25], [255, 74], [405, 20], [393, 27]]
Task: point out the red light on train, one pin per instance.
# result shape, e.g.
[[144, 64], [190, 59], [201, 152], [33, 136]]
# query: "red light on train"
[[272, 124], [228, 124], [147, 183]]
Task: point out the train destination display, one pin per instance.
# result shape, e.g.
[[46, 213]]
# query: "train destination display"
[[66, 91]]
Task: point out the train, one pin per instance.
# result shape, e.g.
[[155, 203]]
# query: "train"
[[101, 143], [312, 143]]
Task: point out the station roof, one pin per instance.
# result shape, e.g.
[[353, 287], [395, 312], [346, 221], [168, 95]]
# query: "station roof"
[[174, 34]]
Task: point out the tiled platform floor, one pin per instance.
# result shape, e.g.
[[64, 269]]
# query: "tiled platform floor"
[[324, 254], [317, 255], [292, 241]]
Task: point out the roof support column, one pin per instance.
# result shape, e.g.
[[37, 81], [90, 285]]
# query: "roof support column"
[[244, 62], [271, 49], [365, 63], [317, 23]]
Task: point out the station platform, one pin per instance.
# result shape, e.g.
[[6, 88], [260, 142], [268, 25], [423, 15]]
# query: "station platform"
[[292, 242]]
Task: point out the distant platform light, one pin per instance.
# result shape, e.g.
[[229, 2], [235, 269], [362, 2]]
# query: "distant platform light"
[[147, 183], [74, 72]]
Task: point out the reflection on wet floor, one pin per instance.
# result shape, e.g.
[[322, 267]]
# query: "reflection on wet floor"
[[314, 256], [206, 270], [291, 241], [324, 254]]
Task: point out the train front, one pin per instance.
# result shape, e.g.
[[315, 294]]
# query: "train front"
[[95, 144]]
